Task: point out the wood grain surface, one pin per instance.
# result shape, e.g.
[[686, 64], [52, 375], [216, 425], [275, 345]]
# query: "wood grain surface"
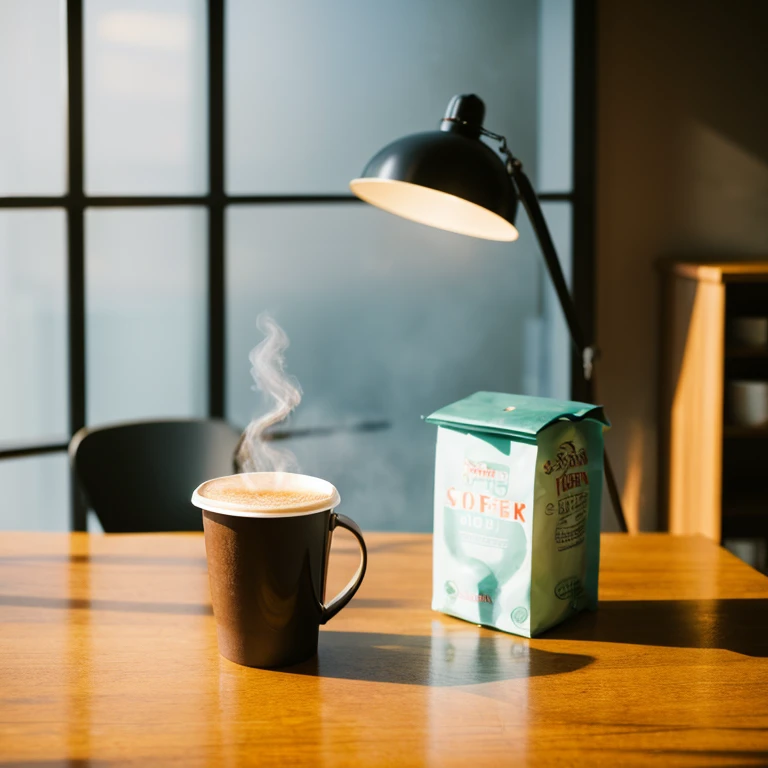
[[108, 656]]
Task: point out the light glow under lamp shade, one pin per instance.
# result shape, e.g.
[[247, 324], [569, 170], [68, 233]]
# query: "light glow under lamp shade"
[[433, 208]]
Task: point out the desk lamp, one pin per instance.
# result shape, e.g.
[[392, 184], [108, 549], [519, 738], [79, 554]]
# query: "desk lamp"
[[451, 180]]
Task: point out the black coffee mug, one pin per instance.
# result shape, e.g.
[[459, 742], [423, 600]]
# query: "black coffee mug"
[[267, 568]]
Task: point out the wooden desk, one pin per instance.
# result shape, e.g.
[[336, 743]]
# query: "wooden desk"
[[108, 653]]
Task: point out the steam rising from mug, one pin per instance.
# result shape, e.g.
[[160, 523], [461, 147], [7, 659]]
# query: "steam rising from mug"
[[279, 389]]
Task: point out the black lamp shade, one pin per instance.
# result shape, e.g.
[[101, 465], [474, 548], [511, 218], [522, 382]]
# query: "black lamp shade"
[[444, 179]]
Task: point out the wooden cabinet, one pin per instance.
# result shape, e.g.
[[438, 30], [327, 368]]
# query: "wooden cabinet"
[[713, 472]]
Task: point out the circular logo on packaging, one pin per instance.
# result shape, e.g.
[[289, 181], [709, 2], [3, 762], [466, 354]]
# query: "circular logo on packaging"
[[451, 590], [569, 588], [520, 615]]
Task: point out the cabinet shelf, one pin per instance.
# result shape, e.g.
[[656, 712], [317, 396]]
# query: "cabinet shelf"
[[748, 505], [746, 352], [738, 431], [710, 479], [744, 515]]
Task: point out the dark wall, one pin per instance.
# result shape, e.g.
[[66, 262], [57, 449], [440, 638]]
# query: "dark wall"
[[682, 170]]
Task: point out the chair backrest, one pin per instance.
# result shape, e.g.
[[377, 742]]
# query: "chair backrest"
[[140, 476]]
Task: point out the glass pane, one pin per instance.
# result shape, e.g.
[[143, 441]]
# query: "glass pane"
[[33, 92], [33, 327], [555, 167], [146, 313], [315, 89], [145, 96], [387, 320], [36, 493]]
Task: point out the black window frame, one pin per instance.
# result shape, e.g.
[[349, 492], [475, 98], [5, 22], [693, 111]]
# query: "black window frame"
[[75, 202]]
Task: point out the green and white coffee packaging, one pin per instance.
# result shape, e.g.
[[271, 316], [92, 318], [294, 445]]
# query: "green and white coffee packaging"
[[518, 482]]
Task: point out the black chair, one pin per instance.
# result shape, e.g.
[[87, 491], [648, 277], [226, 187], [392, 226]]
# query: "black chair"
[[140, 476]]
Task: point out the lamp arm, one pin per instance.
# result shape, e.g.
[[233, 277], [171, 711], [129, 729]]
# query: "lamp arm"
[[587, 351], [531, 204], [530, 200]]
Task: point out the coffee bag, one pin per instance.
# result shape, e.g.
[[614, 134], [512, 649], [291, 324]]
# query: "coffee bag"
[[518, 482]]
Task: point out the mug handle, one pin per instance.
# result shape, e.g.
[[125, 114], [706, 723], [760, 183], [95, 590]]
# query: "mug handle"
[[346, 594]]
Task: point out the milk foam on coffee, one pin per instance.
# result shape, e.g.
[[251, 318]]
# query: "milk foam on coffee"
[[518, 482], [266, 493], [254, 498]]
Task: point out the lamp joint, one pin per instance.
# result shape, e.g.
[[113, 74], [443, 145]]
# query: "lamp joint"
[[513, 165]]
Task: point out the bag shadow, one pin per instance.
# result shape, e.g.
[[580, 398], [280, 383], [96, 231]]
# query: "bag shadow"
[[435, 661], [738, 625]]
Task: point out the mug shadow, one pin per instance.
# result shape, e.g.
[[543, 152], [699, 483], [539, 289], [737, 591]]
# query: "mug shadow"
[[738, 625], [434, 661]]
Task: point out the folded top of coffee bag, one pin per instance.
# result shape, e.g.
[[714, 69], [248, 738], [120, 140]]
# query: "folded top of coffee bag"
[[520, 416]]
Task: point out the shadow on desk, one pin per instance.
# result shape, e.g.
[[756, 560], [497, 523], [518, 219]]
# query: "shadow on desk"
[[65, 762], [106, 559], [740, 626], [437, 661], [62, 763], [122, 606]]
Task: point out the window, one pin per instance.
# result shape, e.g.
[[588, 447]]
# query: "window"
[[182, 165]]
